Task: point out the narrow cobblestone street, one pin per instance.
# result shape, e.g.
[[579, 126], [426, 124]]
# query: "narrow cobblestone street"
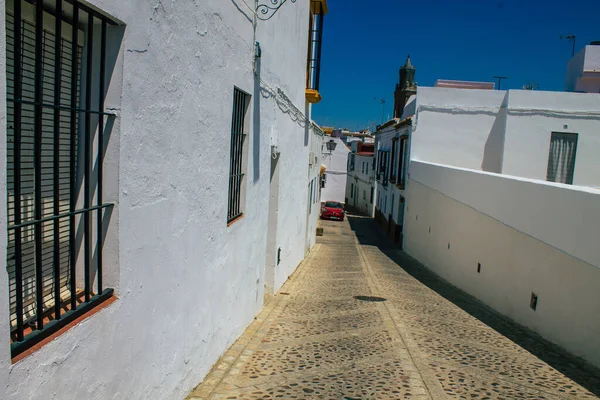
[[410, 336]]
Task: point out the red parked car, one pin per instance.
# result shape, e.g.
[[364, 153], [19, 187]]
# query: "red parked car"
[[332, 210]]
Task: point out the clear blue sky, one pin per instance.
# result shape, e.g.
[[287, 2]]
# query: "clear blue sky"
[[366, 41]]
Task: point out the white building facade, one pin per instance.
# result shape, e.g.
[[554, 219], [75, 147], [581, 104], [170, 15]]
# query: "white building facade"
[[583, 70], [502, 201], [334, 178], [392, 149], [360, 190], [169, 180]]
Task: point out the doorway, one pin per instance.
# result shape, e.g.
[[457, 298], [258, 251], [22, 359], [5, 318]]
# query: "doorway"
[[272, 251]]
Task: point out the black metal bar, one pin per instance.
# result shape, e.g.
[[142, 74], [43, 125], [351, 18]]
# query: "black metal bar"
[[17, 169], [72, 157], [53, 326], [99, 225], [37, 160], [320, 44], [59, 107], [87, 175], [75, 3], [59, 216], [56, 188]]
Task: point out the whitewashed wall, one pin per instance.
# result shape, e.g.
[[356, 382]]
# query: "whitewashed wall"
[[527, 237], [459, 127], [336, 164], [187, 284], [506, 132], [388, 197], [363, 178], [534, 115], [583, 71]]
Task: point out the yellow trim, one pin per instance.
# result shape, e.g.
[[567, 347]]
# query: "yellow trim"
[[323, 6], [312, 96]]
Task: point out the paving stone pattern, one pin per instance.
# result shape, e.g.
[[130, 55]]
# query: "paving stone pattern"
[[428, 340]]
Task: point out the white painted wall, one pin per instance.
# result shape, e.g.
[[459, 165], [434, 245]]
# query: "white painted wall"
[[362, 178], [389, 196], [187, 284], [534, 115], [527, 238], [583, 71], [506, 132], [336, 164], [459, 127]]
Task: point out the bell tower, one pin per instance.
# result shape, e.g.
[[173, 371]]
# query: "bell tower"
[[405, 88]]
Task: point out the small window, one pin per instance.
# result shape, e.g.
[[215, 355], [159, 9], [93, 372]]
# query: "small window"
[[393, 160], [372, 194], [351, 190], [403, 162], [364, 194], [561, 160], [237, 155]]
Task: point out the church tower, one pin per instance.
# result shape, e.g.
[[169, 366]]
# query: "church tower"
[[405, 88]]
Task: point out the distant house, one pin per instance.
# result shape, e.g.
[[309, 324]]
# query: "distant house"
[[583, 70], [360, 193]]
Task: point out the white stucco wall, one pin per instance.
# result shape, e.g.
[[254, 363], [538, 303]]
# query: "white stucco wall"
[[363, 182], [527, 239], [506, 131], [534, 115], [583, 71], [459, 127], [336, 163], [187, 284], [389, 196]]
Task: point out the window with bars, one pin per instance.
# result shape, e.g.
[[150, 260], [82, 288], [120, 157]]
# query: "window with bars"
[[402, 162], [393, 160], [55, 136], [237, 155], [561, 159], [315, 41]]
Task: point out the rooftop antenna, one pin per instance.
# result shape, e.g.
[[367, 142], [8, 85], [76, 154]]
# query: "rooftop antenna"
[[499, 80], [572, 38]]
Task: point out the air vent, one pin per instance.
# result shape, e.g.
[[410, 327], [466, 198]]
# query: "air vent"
[[534, 301]]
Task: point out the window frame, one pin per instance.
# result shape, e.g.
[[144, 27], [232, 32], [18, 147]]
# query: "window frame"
[[574, 138], [238, 155], [403, 161], [83, 111]]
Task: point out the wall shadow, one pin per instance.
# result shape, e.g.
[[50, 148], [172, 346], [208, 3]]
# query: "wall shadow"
[[493, 150], [369, 233]]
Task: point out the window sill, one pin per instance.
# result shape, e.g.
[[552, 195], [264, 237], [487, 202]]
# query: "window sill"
[[313, 96], [41, 338], [236, 219]]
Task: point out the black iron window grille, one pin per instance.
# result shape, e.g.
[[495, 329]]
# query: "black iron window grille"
[[237, 155], [403, 162], [393, 160], [55, 54], [315, 41]]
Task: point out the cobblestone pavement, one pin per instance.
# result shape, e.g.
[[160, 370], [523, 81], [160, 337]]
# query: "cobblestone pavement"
[[316, 340]]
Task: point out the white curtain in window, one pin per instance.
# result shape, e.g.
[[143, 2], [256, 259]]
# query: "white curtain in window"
[[561, 161]]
